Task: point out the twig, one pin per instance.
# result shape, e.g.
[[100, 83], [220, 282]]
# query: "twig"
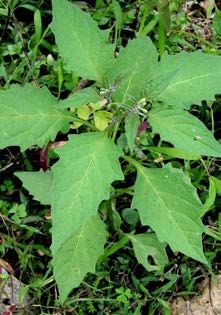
[[81, 84], [6, 167]]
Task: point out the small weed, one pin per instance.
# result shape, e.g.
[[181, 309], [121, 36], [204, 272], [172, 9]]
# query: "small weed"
[[109, 167]]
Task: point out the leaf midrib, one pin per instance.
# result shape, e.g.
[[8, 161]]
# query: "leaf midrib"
[[84, 48], [21, 116], [188, 81], [140, 168]]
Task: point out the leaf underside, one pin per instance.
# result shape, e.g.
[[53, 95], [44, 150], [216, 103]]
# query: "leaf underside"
[[168, 203]]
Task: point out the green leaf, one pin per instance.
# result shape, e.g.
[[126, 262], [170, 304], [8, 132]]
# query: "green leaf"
[[217, 22], [118, 14], [168, 203], [131, 216], [102, 119], [131, 126], [211, 232], [80, 42], [177, 153], [78, 255], [28, 117], [164, 10], [80, 98], [114, 248], [211, 197], [157, 85], [88, 165], [38, 184], [217, 183], [84, 112], [134, 63], [147, 246], [198, 78], [184, 131]]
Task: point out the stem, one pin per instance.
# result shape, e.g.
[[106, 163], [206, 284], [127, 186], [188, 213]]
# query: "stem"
[[110, 216], [128, 190], [205, 167], [131, 161], [115, 130], [143, 19], [212, 120], [204, 41], [117, 124], [85, 122], [115, 247], [115, 34]]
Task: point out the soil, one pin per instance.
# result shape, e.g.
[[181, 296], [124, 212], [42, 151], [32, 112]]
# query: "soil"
[[207, 303]]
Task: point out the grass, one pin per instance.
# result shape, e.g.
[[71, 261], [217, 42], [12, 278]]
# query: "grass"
[[121, 286]]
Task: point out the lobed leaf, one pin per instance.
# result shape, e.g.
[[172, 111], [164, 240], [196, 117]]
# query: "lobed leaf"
[[88, 164], [78, 255], [147, 247], [168, 203], [80, 42], [198, 78], [157, 85], [38, 184], [184, 131], [133, 66], [28, 117]]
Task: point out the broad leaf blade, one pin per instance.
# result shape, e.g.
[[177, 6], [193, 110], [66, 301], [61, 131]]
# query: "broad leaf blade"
[[28, 117], [147, 246], [88, 164], [168, 203], [157, 85], [177, 153], [81, 43], [38, 184], [184, 131], [80, 98], [198, 78], [78, 255], [134, 64]]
